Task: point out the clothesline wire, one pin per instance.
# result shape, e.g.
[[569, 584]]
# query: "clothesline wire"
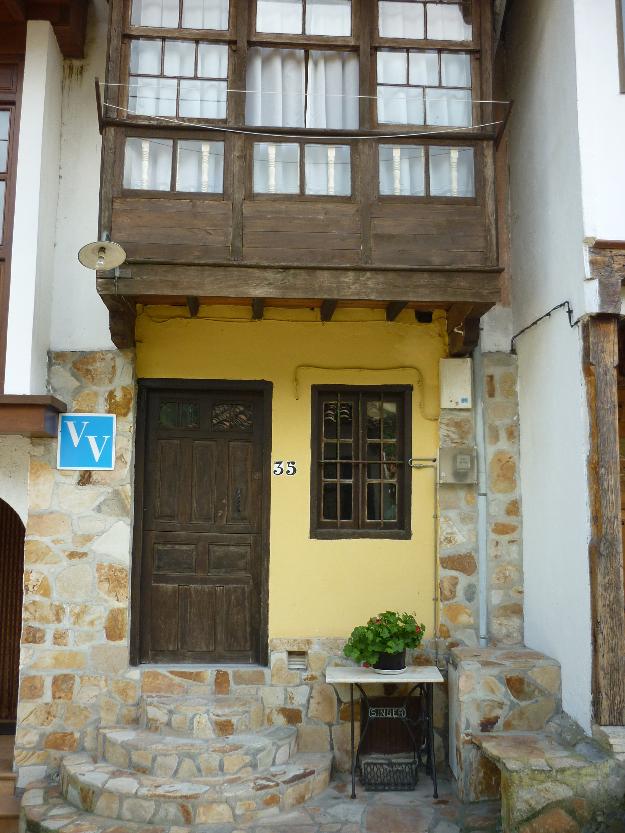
[[242, 131], [301, 93]]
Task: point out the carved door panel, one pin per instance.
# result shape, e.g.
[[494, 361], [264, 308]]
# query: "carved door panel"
[[202, 553]]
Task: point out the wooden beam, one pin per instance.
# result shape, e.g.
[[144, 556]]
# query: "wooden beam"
[[478, 286], [193, 305], [122, 318], [30, 416], [328, 308], [394, 308], [600, 340], [258, 308], [463, 328]]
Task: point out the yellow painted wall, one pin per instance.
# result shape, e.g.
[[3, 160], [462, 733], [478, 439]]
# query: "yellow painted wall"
[[318, 588]]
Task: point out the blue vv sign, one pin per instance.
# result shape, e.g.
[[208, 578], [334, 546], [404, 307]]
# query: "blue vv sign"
[[86, 441]]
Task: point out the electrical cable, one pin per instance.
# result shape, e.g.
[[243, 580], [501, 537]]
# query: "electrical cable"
[[564, 305]]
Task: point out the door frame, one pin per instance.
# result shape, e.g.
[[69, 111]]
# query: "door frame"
[[144, 387]]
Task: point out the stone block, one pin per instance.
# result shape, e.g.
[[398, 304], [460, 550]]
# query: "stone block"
[[313, 738], [31, 688], [322, 704]]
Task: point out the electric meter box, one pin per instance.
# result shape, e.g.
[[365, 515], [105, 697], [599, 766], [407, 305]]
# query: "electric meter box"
[[455, 380], [457, 464]]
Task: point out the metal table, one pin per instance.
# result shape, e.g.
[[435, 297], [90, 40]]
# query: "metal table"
[[422, 678]]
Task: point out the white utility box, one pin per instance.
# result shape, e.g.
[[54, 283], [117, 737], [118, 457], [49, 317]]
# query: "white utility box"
[[455, 375]]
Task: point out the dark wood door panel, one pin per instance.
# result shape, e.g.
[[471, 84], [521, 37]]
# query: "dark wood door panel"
[[203, 557]]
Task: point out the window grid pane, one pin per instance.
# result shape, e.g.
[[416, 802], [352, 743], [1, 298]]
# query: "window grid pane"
[[424, 87], [147, 164], [328, 170], [276, 168], [332, 18], [451, 171], [165, 14], [178, 78], [200, 167], [361, 461], [418, 19]]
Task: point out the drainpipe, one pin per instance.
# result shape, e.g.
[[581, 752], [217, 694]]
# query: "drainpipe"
[[482, 497]]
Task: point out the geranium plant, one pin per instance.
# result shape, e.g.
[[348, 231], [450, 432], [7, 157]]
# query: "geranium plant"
[[386, 633]]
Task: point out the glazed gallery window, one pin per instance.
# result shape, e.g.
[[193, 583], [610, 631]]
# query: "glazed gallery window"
[[278, 169], [178, 78], [314, 17], [5, 124], [360, 477], [149, 165], [424, 21], [420, 171], [424, 87], [620, 29], [180, 14], [302, 88]]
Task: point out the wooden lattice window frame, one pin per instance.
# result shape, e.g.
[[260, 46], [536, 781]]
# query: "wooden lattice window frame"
[[359, 526]]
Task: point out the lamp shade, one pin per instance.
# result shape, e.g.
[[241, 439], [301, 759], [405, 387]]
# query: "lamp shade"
[[103, 255]]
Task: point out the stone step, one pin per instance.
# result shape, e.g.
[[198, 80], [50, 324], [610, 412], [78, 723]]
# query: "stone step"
[[203, 717], [539, 770], [174, 755], [131, 796]]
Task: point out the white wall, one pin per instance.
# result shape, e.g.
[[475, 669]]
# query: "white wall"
[[548, 268], [32, 258], [79, 317], [601, 119]]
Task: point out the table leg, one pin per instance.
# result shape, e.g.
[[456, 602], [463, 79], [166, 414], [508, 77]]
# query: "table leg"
[[351, 697], [429, 688]]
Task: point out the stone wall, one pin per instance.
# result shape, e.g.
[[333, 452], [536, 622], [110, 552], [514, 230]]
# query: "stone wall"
[[505, 562], [74, 670], [458, 567]]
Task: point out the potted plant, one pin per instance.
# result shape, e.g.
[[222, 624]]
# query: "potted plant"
[[382, 642]]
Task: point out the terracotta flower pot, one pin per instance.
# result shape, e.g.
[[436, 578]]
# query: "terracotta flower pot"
[[391, 663]]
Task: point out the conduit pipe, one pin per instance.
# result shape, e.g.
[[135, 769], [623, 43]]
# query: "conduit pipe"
[[482, 497]]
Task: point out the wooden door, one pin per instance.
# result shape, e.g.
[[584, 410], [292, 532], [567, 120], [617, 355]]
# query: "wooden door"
[[203, 558], [11, 578]]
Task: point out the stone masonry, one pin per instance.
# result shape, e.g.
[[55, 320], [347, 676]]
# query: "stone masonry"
[[505, 564]]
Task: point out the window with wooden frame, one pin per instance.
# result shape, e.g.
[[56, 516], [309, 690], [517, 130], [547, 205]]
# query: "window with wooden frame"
[[426, 171], [318, 65], [178, 165], [302, 168], [360, 477]]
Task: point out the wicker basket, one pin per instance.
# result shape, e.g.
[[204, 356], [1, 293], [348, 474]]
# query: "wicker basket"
[[378, 774]]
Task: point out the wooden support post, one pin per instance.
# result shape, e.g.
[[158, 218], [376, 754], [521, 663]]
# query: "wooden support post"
[[327, 309], [258, 308], [122, 318], [394, 308], [600, 336], [193, 305], [463, 328]]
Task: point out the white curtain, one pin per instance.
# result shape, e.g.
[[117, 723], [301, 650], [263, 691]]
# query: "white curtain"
[[179, 58], [402, 170], [281, 16], [156, 13], [423, 68], [452, 172], [332, 90], [4, 140], [401, 20], [328, 170], [276, 168], [445, 22], [152, 96], [205, 14], [212, 60], [203, 99], [329, 17], [147, 164], [451, 108], [200, 167], [275, 87], [456, 69], [145, 57]]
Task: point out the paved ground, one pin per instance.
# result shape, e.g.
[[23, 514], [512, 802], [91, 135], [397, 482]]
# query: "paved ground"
[[387, 812]]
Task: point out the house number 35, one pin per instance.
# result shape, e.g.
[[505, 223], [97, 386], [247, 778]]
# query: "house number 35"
[[281, 467]]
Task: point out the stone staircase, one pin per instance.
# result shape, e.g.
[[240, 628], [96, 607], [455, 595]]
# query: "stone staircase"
[[9, 804], [512, 741], [192, 763]]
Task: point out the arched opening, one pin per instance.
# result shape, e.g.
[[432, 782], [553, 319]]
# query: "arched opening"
[[11, 590]]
